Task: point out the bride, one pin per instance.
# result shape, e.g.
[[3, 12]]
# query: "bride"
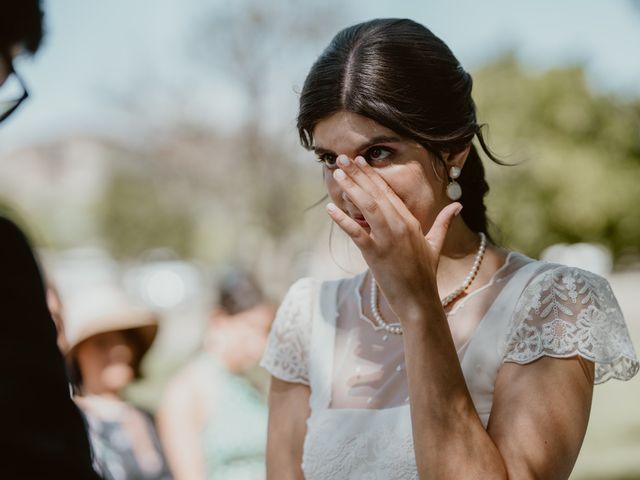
[[450, 357]]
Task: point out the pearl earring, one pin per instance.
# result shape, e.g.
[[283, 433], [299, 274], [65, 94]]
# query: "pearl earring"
[[454, 190]]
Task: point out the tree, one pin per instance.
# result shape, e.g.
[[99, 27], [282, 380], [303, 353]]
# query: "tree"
[[137, 214], [578, 154], [252, 44]]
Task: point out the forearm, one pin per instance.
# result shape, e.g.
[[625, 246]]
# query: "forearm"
[[284, 451], [288, 414], [283, 465], [450, 440]]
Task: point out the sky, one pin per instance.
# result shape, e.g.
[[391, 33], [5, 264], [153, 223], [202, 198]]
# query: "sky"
[[101, 57]]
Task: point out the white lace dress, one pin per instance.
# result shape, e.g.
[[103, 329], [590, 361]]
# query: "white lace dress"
[[360, 425]]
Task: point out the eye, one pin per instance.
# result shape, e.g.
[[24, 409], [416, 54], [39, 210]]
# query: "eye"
[[329, 159], [377, 154]]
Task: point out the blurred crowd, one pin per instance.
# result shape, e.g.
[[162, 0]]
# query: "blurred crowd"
[[212, 414], [73, 344]]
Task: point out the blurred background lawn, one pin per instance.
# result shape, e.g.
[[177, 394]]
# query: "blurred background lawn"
[[161, 134]]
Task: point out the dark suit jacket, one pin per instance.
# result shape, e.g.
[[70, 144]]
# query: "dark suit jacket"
[[42, 434]]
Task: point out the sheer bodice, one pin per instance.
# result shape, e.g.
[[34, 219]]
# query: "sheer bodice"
[[368, 366], [360, 424]]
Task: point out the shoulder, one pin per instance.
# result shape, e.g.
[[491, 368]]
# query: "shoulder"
[[295, 310], [200, 373], [564, 288], [7, 227], [309, 296], [303, 296], [12, 240], [185, 395], [300, 290], [288, 347], [23, 291], [19, 264], [565, 312], [296, 306], [559, 271]]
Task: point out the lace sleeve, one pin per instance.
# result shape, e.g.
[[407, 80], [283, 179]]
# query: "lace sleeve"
[[566, 312], [287, 354]]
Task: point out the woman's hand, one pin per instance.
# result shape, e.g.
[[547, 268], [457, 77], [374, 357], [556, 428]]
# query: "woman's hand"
[[402, 259]]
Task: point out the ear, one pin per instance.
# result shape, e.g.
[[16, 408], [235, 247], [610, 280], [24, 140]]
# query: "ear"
[[456, 158]]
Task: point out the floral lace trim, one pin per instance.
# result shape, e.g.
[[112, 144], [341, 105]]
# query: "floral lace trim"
[[287, 354], [570, 312]]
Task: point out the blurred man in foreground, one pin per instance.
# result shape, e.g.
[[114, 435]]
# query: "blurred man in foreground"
[[43, 435]]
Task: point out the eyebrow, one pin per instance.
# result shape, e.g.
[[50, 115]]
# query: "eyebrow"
[[369, 143]]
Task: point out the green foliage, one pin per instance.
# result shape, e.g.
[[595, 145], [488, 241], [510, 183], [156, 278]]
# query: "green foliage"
[[578, 156], [137, 214]]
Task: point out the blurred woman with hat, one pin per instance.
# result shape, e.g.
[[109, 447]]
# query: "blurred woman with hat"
[[107, 338]]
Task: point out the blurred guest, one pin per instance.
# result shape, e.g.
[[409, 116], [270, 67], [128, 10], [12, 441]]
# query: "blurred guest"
[[108, 337], [43, 431], [212, 420]]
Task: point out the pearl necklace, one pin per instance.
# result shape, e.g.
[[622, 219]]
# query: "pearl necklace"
[[396, 328]]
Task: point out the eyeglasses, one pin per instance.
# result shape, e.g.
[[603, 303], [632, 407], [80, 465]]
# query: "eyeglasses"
[[12, 92]]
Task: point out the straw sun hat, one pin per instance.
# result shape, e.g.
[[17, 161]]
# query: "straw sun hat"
[[104, 308]]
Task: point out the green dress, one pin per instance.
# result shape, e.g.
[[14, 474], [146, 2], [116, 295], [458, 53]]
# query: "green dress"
[[235, 432]]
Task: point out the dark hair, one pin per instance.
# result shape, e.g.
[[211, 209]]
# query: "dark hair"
[[398, 73], [20, 23], [239, 291]]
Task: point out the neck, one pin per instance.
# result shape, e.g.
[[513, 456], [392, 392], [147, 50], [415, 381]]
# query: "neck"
[[457, 256], [460, 241], [217, 346]]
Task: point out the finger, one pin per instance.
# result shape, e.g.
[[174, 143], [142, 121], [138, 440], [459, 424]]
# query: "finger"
[[367, 204], [372, 200], [356, 174], [438, 232], [382, 188], [349, 226]]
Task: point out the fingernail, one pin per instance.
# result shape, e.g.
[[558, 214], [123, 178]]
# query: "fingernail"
[[343, 160], [331, 207], [458, 210], [361, 161], [339, 175]]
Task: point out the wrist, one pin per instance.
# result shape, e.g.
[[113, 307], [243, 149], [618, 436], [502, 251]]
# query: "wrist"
[[420, 311]]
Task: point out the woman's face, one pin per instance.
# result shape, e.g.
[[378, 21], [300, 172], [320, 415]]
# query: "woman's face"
[[241, 338], [408, 168], [106, 362]]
